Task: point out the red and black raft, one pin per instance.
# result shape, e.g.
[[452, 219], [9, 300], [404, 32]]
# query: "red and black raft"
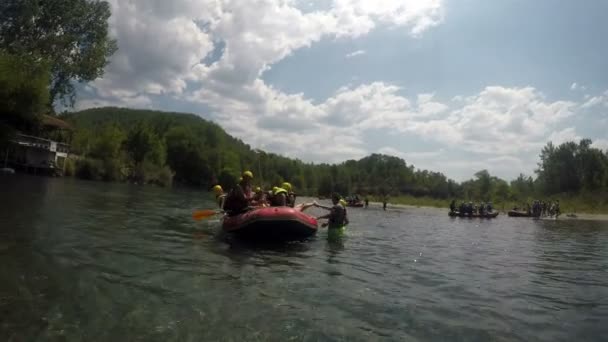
[[283, 223]]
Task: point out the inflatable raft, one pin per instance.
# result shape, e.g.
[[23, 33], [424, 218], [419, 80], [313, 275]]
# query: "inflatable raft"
[[517, 213], [487, 215], [283, 223]]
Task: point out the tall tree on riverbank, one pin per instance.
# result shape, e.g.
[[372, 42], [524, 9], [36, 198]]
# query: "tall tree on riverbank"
[[71, 35], [23, 94], [572, 167]]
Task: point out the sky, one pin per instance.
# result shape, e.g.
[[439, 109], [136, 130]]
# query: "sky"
[[454, 86]]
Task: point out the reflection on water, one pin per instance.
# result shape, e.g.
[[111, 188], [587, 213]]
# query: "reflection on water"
[[97, 261]]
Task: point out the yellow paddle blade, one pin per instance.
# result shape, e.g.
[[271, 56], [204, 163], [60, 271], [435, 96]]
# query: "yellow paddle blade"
[[202, 214]]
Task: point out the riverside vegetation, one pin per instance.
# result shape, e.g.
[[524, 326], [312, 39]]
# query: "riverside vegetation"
[[157, 145], [117, 144]]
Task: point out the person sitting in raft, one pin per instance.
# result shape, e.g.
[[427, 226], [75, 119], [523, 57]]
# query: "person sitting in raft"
[[259, 198], [245, 184], [269, 197], [220, 197], [337, 217], [279, 197], [291, 196], [239, 199]]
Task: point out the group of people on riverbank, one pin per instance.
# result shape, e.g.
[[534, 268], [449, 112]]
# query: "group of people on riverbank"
[[471, 208], [243, 197], [541, 208]]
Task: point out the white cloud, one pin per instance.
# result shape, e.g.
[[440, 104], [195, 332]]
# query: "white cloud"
[[575, 86], [164, 49], [355, 53], [359, 16], [596, 100], [565, 135], [601, 144], [162, 44]]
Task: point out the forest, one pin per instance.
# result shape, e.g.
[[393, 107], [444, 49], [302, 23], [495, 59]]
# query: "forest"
[[151, 146]]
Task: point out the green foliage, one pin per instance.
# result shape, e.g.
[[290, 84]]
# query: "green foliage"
[[165, 176], [185, 148], [107, 142], [572, 168], [72, 35], [23, 91], [70, 167], [185, 155], [89, 169], [227, 178], [111, 170], [141, 143]]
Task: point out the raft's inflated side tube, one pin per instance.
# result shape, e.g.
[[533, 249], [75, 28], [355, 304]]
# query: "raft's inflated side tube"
[[516, 213], [271, 223]]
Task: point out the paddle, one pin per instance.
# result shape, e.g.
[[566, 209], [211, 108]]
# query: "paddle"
[[203, 214]]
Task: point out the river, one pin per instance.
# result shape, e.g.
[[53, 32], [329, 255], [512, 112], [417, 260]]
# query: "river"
[[87, 261]]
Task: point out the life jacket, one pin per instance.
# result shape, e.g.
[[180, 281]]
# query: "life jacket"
[[236, 201], [338, 217]]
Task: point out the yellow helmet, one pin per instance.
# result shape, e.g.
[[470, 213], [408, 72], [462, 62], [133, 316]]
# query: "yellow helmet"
[[258, 189], [286, 186], [275, 188], [218, 189], [279, 190], [248, 174], [342, 201]]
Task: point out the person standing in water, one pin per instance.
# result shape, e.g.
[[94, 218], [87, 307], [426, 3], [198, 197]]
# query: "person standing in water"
[[384, 205], [366, 202], [453, 206], [337, 217]]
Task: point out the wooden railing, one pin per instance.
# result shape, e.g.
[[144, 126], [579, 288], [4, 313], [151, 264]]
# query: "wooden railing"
[[36, 142]]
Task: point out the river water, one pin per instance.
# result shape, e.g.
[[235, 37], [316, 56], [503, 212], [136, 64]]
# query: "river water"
[[86, 261]]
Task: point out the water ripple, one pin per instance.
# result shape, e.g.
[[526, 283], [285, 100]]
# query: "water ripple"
[[128, 263]]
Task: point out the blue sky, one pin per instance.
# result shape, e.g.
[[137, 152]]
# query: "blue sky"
[[452, 86]]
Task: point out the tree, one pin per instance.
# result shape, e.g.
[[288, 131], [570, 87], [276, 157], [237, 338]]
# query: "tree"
[[202, 154], [72, 35], [23, 93], [107, 143], [185, 157], [483, 180], [142, 143], [227, 179]]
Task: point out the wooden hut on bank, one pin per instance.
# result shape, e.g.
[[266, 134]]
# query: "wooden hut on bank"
[[45, 153]]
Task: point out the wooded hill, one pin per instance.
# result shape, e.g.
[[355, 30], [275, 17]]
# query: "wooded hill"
[[201, 153], [151, 146]]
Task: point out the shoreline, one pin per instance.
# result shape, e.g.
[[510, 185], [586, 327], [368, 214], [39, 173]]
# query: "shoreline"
[[579, 216]]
